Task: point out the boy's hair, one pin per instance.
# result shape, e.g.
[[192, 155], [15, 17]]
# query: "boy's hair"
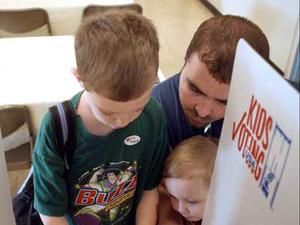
[[192, 158], [216, 40], [117, 54]]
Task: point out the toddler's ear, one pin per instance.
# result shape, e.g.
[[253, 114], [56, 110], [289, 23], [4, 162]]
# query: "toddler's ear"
[[162, 186]]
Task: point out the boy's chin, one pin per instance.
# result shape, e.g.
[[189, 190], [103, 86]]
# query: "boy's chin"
[[115, 127]]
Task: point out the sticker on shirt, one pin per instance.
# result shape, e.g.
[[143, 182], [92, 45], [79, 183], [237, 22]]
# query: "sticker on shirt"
[[132, 140], [105, 194]]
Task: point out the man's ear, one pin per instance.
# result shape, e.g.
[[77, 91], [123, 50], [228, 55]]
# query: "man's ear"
[[77, 76]]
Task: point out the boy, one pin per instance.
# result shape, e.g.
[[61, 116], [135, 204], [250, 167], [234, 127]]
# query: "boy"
[[187, 174], [121, 132]]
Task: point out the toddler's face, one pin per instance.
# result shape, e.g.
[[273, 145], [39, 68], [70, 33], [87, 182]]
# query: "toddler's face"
[[188, 196], [117, 114]]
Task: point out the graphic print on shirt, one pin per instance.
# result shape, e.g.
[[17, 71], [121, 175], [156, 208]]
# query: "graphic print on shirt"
[[104, 195]]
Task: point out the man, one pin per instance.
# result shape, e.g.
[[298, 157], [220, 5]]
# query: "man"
[[195, 100]]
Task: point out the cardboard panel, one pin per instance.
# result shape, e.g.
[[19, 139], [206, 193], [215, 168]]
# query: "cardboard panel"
[[256, 176]]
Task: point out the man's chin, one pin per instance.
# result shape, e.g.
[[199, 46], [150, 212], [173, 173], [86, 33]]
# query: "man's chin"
[[196, 123]]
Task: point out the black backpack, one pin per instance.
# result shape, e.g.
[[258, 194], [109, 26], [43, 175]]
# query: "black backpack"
[[62, 115]]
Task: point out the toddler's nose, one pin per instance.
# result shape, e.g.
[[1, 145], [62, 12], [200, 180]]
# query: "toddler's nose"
[[182, 209]]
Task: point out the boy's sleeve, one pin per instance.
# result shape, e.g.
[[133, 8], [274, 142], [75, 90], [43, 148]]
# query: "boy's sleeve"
[[50, 194], [161, 151]]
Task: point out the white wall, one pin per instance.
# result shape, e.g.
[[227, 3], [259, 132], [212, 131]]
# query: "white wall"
[[277, 18]]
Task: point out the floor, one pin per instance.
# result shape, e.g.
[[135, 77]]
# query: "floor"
[[176, 21], [15, 179]]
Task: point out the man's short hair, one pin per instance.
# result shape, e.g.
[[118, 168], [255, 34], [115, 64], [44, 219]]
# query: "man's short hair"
[[117, 54], [216, 40]]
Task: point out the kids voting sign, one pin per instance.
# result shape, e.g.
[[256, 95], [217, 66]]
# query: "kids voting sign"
[[256, 175]]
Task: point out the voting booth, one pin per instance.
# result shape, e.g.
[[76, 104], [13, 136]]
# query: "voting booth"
[[256, 174]]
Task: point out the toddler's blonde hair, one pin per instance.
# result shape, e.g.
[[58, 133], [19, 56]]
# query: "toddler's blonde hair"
[[192, 158]]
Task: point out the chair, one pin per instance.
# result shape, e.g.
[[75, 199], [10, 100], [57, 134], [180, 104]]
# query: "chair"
[[92, 9], [27, 22], [16, 138]]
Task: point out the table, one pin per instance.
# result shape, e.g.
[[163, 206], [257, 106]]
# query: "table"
[[64, 15], [36, 72]]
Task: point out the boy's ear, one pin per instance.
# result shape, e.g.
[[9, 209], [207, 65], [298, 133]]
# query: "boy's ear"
[[77, 76]]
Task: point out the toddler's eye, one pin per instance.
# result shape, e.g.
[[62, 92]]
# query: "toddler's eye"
[[173, 198], [192, 202]]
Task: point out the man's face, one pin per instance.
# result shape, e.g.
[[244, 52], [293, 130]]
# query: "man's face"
[[188, 196], [202, 97]]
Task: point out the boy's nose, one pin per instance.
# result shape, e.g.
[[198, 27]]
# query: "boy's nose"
[[122, 121], [204, 108]]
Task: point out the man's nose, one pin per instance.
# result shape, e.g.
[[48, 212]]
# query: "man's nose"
[[204, 108]]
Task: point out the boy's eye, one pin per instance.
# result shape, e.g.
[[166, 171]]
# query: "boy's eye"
[[107, 113]]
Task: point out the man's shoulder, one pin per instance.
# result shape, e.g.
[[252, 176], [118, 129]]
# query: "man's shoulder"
[[167, 93], [169, 85]]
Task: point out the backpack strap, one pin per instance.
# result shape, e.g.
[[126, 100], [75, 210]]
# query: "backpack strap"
[[63, 123]]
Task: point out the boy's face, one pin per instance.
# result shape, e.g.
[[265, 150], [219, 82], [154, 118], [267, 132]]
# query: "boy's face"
[[188, 196], [203, 98], [116, 114]]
